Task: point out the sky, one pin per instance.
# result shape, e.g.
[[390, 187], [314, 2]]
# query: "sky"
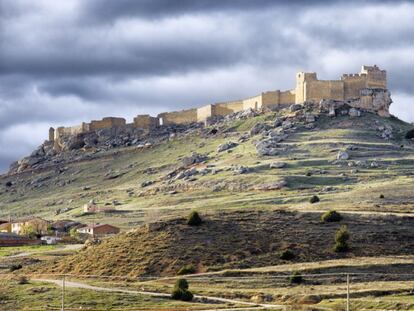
[[64, 62]]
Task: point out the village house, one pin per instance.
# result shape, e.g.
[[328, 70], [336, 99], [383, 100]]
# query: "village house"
[[50, 240], [5, 227], [34, 225], [91, 207], [63, 227], [99, 230]]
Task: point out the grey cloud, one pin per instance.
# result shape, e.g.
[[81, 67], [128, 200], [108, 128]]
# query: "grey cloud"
[[105, 10], [88, 59]]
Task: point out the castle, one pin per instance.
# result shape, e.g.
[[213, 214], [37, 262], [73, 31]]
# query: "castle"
[[359, 90]]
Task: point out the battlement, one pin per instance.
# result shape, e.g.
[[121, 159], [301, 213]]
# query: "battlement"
[[353, 86]]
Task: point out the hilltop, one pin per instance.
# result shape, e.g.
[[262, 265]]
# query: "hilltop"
[[273, 160], [251, 176]]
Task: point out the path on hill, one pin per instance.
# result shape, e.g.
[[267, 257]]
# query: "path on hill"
[[69, 247], [351, 212], [76, 284]]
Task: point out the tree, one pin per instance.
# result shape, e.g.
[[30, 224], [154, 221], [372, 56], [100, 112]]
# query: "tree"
[[28, 230], [181, 292], [341, 239], [194, 219]]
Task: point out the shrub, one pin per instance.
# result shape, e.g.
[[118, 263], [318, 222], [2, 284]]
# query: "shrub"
[[381, 196], [295, 278], [287, 255], [15, 267], [181, 292], [409, 134], [22, 280], [331, 216], [342, 235], [341, 240], [188, 269], [177, 294], [181, 284], [194, 219], [187, 295], [314, 199], [341, 247]]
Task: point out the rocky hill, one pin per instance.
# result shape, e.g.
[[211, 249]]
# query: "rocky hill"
[[251, 176], [255, 159]]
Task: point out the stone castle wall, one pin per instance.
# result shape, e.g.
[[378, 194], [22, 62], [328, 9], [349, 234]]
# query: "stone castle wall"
[[309, 88], [178, 117], [145, 121], [106, 123]]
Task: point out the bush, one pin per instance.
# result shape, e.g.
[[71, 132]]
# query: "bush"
[[22, 280], [381, 196], [409, 134], [187, 295], [15, 267], [341, 240], [194, 219], [188, 269], [177, 294], [181, 284], [342, 235], [287, 255], [181, 292], [295, 278], [331, 216], [314, 199], [341, 247]]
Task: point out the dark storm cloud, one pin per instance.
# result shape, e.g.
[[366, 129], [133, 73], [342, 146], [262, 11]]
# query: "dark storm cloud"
[[63, 62], [107, 9]]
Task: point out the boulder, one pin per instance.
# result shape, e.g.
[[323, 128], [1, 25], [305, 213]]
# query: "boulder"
[[277, 165], [353, 112], [194, 159], [342, 155], [226, 146], [272, 186], [310, 118], [295, 107], [241, 170], [259, 127], [287, 124], [146, 183]]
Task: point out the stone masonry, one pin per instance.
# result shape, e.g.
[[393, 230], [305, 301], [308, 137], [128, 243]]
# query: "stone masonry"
[[366, 90]]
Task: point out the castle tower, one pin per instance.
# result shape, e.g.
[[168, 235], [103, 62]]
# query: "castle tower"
[[301, 79], [376, 78], [51, 134]]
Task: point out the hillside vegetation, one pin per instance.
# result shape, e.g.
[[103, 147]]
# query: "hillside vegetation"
[[260, 183], [236, 240], [235, 179]]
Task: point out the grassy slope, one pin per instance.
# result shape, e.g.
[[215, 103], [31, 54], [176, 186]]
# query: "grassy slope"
[[236, 240], [309, 151]]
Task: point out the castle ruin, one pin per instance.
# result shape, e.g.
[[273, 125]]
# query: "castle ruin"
[[366, 90]]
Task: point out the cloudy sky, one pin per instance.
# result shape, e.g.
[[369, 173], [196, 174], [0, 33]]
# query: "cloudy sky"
[[63, 62]]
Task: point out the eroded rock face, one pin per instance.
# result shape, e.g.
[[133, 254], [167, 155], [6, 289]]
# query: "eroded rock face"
[[381, 102]]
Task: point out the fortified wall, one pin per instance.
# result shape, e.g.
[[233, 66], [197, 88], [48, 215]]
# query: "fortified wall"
[[364, 90]]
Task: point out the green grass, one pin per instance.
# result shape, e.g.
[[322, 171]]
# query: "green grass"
[[45, 296], [13, 250], [307, 151]]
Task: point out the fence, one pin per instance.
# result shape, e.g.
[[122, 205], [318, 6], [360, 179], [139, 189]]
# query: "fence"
[[228, 291]]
